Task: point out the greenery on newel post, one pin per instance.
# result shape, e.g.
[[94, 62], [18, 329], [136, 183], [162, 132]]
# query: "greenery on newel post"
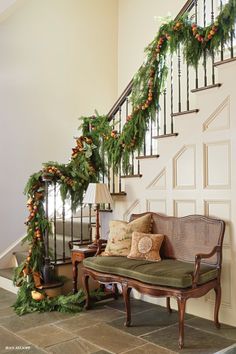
[[84, 167]]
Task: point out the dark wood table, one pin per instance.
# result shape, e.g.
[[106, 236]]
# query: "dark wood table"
[[77, 257]]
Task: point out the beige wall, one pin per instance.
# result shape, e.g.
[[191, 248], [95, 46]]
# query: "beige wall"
[[58, 61], [138, 24]]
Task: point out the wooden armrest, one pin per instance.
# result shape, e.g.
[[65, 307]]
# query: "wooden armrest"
[[101, 247], [198, 258]]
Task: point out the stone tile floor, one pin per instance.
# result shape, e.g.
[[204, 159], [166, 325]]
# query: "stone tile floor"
[[101, 331]]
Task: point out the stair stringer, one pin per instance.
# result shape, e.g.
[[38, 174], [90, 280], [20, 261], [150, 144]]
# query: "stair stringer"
[[7, 259], [211, 189]]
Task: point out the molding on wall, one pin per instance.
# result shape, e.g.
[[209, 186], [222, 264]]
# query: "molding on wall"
[[157, 201], [224, 214], [192, 169], [130, 210], [159, 182], [177, 202], [218, 165], [208, 125]]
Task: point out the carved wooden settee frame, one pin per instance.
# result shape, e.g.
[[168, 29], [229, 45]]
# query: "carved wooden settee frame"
[[208, 231]]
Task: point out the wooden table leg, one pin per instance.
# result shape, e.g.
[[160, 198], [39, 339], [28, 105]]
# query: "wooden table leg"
[[75, 276]]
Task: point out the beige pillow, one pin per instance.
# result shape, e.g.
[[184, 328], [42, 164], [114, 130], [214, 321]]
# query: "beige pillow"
[[146, 246], [119, 241]]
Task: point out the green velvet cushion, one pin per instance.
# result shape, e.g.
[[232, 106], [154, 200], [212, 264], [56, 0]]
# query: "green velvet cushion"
[[168, 272]]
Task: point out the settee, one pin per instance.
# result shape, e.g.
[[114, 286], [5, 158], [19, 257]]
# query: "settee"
[[190, 266]]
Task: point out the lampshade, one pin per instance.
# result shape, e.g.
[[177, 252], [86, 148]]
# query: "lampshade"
[[97, 193]]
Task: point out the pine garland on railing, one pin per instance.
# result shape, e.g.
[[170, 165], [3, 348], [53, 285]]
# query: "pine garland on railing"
[[99, 137]]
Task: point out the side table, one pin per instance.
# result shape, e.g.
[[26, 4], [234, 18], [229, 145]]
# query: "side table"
[[77, 256]]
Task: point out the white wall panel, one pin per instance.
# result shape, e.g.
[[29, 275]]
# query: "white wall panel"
[[184, 168], [217, 165], [184, 207]]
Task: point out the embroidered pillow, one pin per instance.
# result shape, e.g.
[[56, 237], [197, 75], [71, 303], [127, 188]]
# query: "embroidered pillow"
[[146, 246], [119, 240]]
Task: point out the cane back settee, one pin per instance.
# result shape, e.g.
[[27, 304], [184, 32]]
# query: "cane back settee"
[[191, 256]]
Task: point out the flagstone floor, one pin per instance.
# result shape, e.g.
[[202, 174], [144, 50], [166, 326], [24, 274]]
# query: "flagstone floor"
[[101, 331]]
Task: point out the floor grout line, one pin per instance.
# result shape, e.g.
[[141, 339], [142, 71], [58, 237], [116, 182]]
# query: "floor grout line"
[[157, 330], [210, 332]]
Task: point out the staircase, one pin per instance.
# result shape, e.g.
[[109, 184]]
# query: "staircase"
[[178, 140]]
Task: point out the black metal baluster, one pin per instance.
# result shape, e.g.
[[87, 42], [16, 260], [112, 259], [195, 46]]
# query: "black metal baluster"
[[132, 163], [55, 220], [232, 43], [103, 159], [113, 167], [109, 179], [204, 54], [63, 232], [71, 222], [179, 79], [196, 19], [113, 179], [222, 45], [171, 94], [164, 93], [81, 223], [213, 54], [151, 136], [188, 105], [144, 145], [138, 167], [120, 127], [120, 188]]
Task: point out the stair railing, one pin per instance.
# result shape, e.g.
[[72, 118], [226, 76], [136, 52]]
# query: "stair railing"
[[177, 98]]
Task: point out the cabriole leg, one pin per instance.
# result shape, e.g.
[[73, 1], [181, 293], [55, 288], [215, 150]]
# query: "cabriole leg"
[[85, 280], [126, 295], [217, 305], [168, 305], [181, 308]]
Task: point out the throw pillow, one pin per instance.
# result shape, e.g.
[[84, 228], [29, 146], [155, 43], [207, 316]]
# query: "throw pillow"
[[146, 246], [119, 240]]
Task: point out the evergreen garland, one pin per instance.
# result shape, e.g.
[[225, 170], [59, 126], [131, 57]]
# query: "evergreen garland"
[[100, 139]]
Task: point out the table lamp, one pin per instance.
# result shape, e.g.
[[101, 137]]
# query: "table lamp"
[[97, 193]]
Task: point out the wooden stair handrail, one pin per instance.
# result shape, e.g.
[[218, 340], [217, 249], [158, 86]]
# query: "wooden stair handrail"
[[115, 108]]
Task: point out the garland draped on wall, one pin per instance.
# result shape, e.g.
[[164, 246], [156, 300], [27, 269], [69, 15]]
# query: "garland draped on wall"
[[98, 138]]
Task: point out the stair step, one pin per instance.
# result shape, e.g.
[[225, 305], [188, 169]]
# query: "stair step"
[[184, 112], [20, 257], [206, 87], [165, 136], [225, 61], [119, 194], [105, 210], [147, 157], [132, 176], [7, 273]]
